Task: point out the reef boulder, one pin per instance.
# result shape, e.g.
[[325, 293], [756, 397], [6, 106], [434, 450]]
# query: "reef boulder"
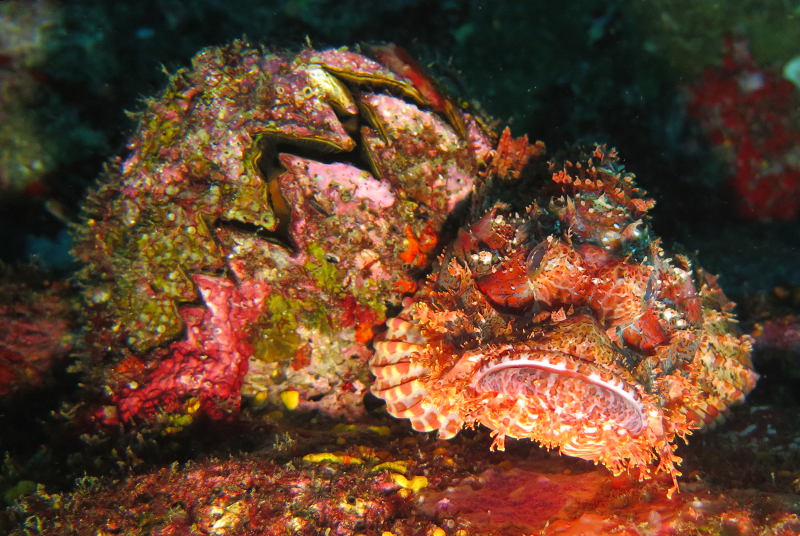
[[270, 208]]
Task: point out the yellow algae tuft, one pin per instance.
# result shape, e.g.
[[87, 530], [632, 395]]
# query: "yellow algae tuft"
[[260, 397], [414, 484], [398, 467], [193, 405], [380, 430], [367, 452], [290, 399], [323, 457], [176, 423]]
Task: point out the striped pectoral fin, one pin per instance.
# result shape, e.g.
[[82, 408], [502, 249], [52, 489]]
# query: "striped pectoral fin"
[[710, 409], [401, 330], [407, 401], [389, 352], [389, 376], [400, 397], [449, 425], [402, 380], [433, 418], [427, 417]]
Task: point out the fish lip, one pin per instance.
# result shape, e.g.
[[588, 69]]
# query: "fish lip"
[[511, 357]]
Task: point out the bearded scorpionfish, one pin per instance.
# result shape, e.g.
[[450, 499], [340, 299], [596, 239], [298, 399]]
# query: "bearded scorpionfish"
[[568, 325]]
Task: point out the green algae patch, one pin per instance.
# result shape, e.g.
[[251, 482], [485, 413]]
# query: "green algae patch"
[[324, 273], [273, 344], [21, 489]]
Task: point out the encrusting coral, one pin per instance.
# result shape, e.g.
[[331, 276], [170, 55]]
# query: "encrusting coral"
[[271, 206]]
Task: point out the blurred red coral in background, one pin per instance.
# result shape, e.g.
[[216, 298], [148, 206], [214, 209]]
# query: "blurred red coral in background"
[[36, 328], [747, 110]]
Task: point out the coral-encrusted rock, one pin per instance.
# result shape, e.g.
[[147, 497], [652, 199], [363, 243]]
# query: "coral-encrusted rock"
[[248, 496], [568, 325], [375, 484], [37, 324], [271, 205]]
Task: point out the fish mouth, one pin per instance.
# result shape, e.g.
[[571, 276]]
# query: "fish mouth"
[[563, 394]]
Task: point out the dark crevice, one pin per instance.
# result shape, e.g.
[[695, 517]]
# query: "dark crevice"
[[269, 167], [270, 236], [269, 164]]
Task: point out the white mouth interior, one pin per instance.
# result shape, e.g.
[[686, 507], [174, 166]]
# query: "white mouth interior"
[[573, 398]]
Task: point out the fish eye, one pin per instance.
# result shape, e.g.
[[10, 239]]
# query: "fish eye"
[[650, 289], [535, 258]]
